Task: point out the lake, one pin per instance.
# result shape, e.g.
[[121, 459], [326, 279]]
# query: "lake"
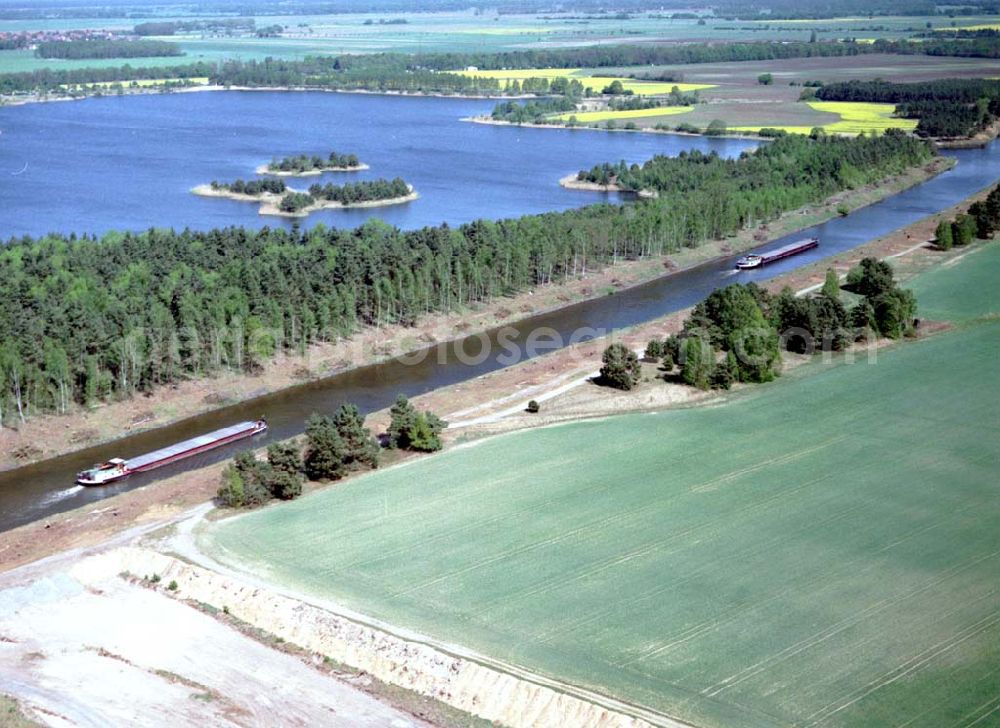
[[129, 163]]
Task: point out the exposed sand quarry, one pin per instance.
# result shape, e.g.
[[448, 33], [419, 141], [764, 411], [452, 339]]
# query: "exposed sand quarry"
[[83, 646], [468, 684]]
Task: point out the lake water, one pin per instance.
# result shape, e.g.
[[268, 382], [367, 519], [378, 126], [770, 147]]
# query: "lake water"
[[129, 163]]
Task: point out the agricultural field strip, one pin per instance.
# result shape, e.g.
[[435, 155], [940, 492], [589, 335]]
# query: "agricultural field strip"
[[841, 626], [917, 662], [595, 83], [958, 618], [453, 498], [591, 529]]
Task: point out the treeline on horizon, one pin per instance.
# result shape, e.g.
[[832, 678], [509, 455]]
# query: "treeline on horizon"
[[85, 49], [743, 9], [88, 320], [429, 72], [211, 25], [951, 107]]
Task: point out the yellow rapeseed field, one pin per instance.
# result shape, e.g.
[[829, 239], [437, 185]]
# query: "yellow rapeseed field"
[[983, 26], [855, 118], [586, 117], [595, 83]]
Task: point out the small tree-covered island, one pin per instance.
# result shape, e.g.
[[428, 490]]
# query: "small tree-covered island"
[[276, 198], [306, 165]]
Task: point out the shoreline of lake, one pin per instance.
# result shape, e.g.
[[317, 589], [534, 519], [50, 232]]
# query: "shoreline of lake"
[[269, 202]]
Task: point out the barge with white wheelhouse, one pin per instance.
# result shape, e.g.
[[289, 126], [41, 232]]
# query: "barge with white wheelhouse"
[[119, 468], [756, 261]]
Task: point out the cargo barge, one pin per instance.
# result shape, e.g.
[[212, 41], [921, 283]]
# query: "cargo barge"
[[756, 261], [118, 468]]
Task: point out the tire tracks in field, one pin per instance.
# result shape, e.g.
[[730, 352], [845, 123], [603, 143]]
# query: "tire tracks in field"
[[990, 706], [916, 663], [738, 611], [594, 526], [837, 628]]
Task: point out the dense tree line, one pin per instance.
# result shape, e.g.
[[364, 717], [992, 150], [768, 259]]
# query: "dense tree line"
[[212, 25], [87, 319], [532, 112], [254, 187], [366, 191], [957, 90], [723, 195], [982, 220], [334, 447], [308, 163], [429, 73], [738, 332], [48, 80], [984, 46], [951, 107], [86, 49]]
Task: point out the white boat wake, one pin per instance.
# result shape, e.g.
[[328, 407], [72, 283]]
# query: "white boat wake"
[[62, 494]]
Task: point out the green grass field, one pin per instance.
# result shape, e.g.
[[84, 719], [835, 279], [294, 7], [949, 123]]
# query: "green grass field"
[[820, 551]]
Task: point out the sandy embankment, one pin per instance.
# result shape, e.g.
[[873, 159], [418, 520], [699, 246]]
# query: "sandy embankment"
[[469, 682], [264, 169], [572, 182], [269, 202]]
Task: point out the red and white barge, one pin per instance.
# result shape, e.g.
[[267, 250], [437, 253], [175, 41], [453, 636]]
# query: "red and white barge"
[[118, 468], [756, 261]]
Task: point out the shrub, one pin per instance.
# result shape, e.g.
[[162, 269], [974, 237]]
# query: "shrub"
[[943, 235], [426, 433], [230, 491], [699, 362], [172, 586], [671, 352], [253, 474], [533, 406], [285, 457], [894, 312], [963, 230], [360, 447], [284, 485], [843, 210], [412, 430], [765, 79], [725, 373], [654, 350], [621, 367], [831, 286], [325, 449], [716, 127]]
